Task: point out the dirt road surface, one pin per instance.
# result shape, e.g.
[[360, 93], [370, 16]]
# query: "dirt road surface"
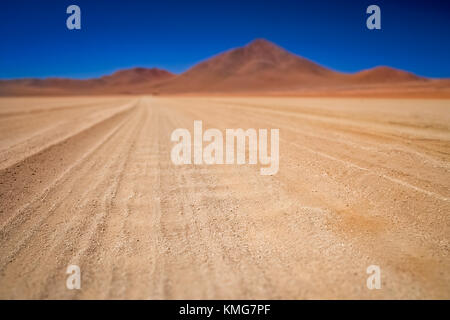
[[89, 182]]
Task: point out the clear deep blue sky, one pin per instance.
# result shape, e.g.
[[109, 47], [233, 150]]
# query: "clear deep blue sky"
[[174, 35]]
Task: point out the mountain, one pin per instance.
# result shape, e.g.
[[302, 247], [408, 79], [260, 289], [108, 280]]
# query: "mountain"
[[137, 76], [383, 74], [260, 67], [135, 80]]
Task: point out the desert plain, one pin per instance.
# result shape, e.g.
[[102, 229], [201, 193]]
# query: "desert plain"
[[89, 181]]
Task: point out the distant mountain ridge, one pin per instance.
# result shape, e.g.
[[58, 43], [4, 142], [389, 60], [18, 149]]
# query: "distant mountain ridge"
[[121, 81], [258, 67]]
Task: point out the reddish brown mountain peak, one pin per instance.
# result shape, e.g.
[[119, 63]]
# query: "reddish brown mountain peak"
[[384, 68], [142, 71], [263, 46], [382, 74], [260, 42]]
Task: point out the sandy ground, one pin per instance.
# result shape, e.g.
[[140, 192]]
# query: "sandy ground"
[[89, 181]]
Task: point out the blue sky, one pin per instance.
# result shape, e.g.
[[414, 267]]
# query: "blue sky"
[[175, 35]]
